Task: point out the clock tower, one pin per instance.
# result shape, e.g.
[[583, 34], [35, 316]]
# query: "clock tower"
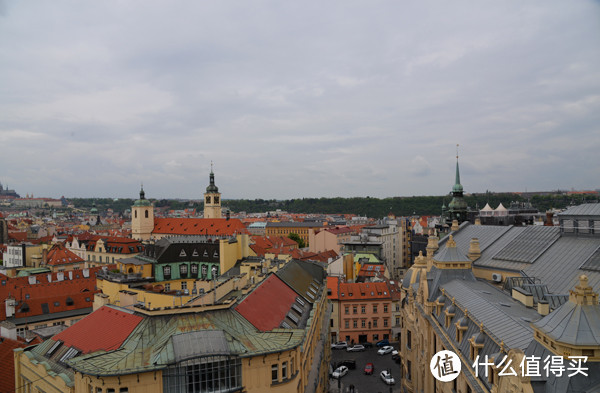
[[142, 218], [212, 198]]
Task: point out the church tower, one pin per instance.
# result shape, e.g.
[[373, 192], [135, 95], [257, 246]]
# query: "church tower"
[[142, 218], [457, 208], [212, 198]]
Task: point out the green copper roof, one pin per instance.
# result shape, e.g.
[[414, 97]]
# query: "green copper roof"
[[142, 201], [212, 187], [457, 186], [156, 342]]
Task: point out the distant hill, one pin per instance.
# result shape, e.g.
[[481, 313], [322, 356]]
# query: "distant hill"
[[370, 207]]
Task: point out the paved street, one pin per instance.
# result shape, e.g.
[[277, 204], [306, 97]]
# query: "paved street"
[[365, 383]]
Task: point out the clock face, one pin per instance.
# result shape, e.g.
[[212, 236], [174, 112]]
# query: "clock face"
[[207, 199]]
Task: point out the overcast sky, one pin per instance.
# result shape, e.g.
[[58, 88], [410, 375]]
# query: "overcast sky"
[[298, 99]]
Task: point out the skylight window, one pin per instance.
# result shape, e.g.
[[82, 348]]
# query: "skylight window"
[[72, 352], [54, 348], [293, 318], [297, 309], [300, 301]]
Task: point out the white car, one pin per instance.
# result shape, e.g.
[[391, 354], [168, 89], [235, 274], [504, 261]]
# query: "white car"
[[387, 377], [356, 348], [340, 372], [386, 349], [339, 345], [394, 352]]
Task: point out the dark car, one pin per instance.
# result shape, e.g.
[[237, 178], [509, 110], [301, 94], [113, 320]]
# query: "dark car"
[[367, 344], [383, 343], [396, 358], [369, 368], [351, 364]]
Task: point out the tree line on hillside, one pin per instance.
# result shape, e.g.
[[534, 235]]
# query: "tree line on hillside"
[[367, 206]]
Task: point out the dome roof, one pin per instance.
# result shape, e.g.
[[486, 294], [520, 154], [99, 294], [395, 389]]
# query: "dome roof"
[[212, 187], [463, 322]]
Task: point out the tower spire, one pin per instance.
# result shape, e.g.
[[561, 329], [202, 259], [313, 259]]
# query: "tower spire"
[[457, 186]]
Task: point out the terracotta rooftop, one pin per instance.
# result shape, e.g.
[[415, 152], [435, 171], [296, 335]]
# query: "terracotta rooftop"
[[199, 226], [364, 291], [105, 329], [7, 361], [60, 255], [267, 306]]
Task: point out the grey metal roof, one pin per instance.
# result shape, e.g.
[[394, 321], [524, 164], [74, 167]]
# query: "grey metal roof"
[[450, 254], [199, 343], [559, 266], [504, 318], [586, 209], [573, 324], [529, 245]]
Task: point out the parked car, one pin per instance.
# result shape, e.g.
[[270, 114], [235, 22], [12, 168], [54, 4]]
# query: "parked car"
[[356, 348], [387, 377], [339, 345], [351, 364], [340, 372], [369, 368], [394, 352], [383, 342], [385, 350], [367, 344], [396, 358]]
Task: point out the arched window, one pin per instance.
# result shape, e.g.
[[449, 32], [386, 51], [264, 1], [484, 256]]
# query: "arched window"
[[135, 214], [146, 212]]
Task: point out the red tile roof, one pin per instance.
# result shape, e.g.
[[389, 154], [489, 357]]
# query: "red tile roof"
[[198, 226], [7, 361], [371, 269], [76, 289], [105, 329], [332, 287], [60, 255], [364, 291], [339, 230], [268, 304]]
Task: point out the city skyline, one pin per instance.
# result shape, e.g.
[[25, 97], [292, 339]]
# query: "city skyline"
[[289, 101]]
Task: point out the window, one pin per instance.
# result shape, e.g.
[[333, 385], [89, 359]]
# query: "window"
[[284, 370], [397, 321], [408, 370], [363, 323], [385, 322], [194, 269], [374, 308], [376, 337], [347, 324], [183, 270], [374, 323], [354, 309], [331, 323], [110, 390], [408, 339], [363, 309], [167, 272], [183, 286], [347, 309], [124, 390], [167, 287], [385, 308], [355, 324], [208, 199], [146, 213], [274, 372]]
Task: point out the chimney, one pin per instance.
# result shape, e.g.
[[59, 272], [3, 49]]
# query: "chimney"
[[549, 222], [10, 304], [478, 221], [44, 254], [8, 330], [474, 250], [543, 307], [454, 226]]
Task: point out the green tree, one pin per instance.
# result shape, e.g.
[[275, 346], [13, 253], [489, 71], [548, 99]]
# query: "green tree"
[[295, 237]]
